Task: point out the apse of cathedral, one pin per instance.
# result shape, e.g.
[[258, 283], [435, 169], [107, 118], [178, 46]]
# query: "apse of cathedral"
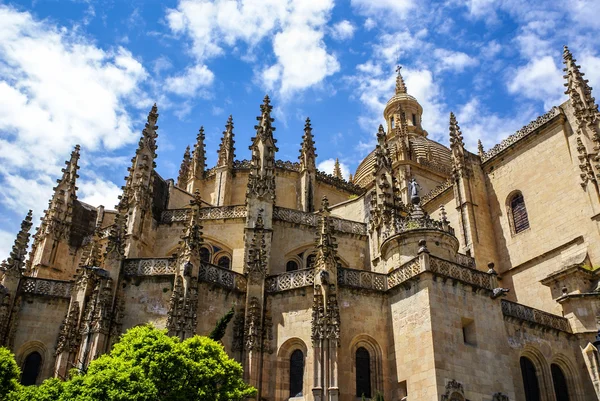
[[433, 273]]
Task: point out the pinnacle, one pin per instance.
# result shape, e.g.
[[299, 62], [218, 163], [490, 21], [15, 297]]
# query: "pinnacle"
[[480, 149], [455, 134], [324, 204], [229, 124], [307, 125], [337, 171]]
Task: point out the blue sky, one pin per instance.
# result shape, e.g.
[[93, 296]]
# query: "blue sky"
[[87, 72]]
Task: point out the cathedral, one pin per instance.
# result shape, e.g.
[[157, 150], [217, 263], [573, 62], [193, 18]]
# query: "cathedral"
[[433, 273]]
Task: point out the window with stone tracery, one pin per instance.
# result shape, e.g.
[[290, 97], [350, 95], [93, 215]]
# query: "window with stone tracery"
[[224, 262]]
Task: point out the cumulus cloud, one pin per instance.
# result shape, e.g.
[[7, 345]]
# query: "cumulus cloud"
[[192, 79], [327, 166], [541, 79], [295, 28], [343, 30], [58, 89], [453, 60], [398, 8]]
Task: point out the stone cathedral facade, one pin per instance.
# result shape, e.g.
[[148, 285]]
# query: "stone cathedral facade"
[[432, 274]]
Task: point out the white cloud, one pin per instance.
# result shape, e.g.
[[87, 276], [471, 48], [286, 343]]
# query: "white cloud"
[[540, 80], [295, 27], [328, 165], [6, 242], [453, 60], [370, 24], [58, 89], [379, 8], [188, 83], [98, 192], [343, 30]]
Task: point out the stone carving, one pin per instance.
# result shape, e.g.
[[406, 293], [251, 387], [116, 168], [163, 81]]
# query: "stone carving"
[[434, 165], [261, 181], [256, 266], [520, 134], [311, 219], [405, 272], [452, 270], [252, 329], [226, 149], [339, 183], [15, 264], [238, 333], [290, 280], [436, 191], [454, 391], [68, 336], [184, 169], [205, 213], [198, 166], [223, 277], [536, 316], [308, 153], [362, 279], [587, 172], [52, 288], [457, 146], [287, 165], [150, 267]]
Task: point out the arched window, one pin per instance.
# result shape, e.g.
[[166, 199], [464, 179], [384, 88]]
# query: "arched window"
[[518, 213], [296, 373], [363, 373], [310, 261], [392, 122], [560, 383], [224, 262], [530, 381], [205, 254], [31, 368], [291, 265]]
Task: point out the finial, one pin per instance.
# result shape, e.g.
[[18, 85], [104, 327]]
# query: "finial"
[[226, 149], [400, 85], [456, 138], [197, 199], [229, 124], [184, 169], [337, 171], [480, 149], [443, 214], [325, 204], [307, 126], [16, 260]]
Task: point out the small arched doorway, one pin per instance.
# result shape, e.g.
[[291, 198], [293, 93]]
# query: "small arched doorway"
[[31, 368]]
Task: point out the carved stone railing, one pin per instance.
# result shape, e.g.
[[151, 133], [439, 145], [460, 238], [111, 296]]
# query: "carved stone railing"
[[436, 191], [287, 165], [520, 134], [206, 213], [51, 288], [435, 166], [465, 260], [241, 164], [339, 183], [222, 277], [405, 272], [290, 280], [461, 273], [402, 225], [312, 220], [150, 267], [535, 316], [362, 279]]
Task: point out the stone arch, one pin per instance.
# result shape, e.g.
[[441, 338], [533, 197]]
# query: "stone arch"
[[282, 367], [29, 348], [215, 248], [376, 362], [573, 385], [542, 369]]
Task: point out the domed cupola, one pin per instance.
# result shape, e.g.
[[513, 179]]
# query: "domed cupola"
[[403, 108]]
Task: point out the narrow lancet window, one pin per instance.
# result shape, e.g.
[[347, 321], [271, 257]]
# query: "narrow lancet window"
[[296, 373]]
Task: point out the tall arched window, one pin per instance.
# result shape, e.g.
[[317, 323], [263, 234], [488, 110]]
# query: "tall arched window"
[[31, 368], [296, 373], [560, 383], [363, 373], [518, 213], [530, 381], [224, 262]]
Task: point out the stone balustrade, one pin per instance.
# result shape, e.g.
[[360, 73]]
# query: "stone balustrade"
[[290, 280], [206, 213], [535, 316], [362, 279], [150, 267], [312, 220], [461, 273], [52, 288], [222, 277], [404, 273]]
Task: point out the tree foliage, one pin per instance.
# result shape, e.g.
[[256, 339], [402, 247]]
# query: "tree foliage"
[[219, 331], [148, 365], [9, 373]]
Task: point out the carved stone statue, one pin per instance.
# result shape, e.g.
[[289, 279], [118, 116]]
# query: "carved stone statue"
[[414, 187]]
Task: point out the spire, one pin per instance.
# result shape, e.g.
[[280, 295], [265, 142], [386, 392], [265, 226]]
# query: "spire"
[[480, 149], [137, 183], [60, 208], [580, 93], [226, 149], [400, 85], [199, 156], [116, 237], [325, 241], [337, 171], [265, 129], [16, 261], [261, 182], [457, 147], [307, 151], [184, 170]]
